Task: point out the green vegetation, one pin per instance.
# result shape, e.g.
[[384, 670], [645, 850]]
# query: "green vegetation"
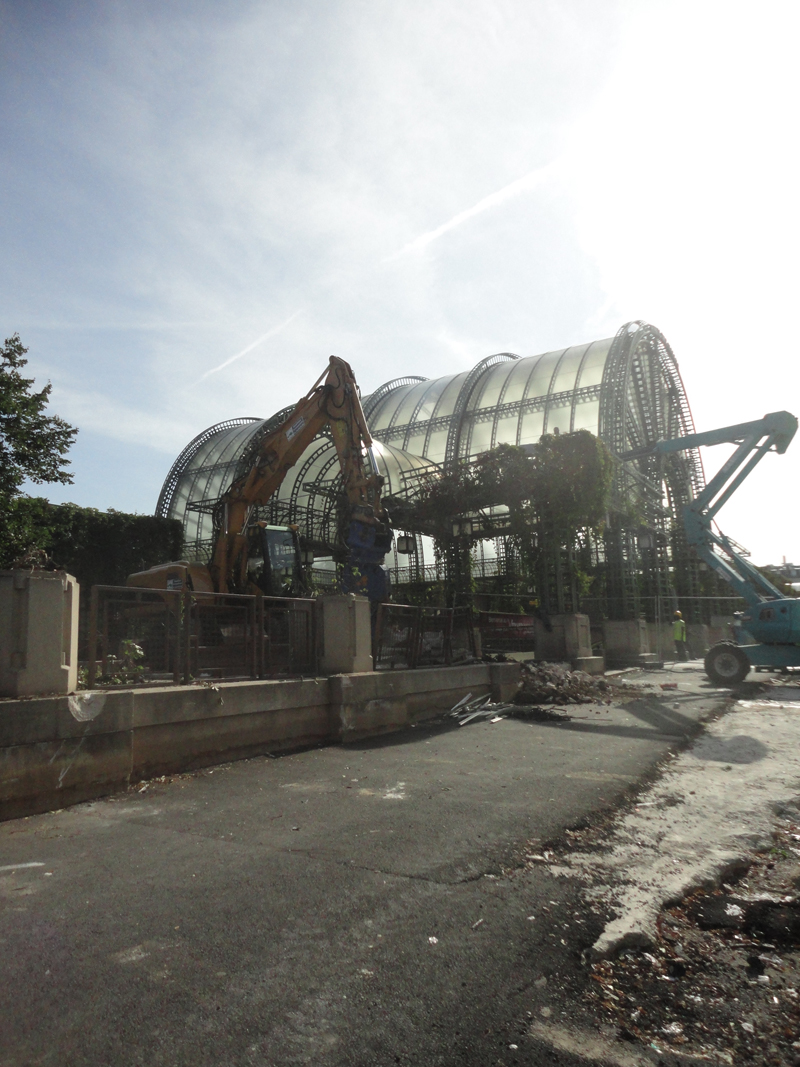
[[559, 487], [32, 444], [544, 499], [97, 547]]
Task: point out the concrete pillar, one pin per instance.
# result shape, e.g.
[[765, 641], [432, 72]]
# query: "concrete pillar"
[[569, 640], [38, 633], [346, 634], [504, 680], [627, 643]]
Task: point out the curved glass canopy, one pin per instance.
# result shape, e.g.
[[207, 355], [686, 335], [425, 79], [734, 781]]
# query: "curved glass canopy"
[[626, 389]]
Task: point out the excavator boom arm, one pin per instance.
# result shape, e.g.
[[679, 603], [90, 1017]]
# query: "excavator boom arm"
[[334, 403]]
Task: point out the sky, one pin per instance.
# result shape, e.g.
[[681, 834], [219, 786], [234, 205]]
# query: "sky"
[[201, 201]]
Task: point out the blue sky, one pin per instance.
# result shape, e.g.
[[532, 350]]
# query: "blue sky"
[[410, 186]]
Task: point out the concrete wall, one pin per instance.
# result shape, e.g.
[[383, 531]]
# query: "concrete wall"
[[699, 638], [56, 751], [38, 632]]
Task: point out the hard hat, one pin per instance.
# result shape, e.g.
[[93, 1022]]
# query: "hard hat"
[[678, 615]]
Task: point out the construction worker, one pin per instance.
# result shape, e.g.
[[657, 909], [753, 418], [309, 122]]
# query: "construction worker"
[[679, 636]]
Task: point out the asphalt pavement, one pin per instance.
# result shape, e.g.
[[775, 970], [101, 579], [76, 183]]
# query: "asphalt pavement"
[[364, 905]]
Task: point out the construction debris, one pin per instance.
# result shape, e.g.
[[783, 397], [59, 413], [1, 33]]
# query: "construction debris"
[[553, 684], [721, 980], [467, 710], [545, 687]]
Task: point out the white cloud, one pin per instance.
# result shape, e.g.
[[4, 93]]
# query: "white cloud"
[[249, 348], [526, 184]]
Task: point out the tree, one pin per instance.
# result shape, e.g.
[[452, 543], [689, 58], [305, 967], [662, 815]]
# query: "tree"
[[33, 444]]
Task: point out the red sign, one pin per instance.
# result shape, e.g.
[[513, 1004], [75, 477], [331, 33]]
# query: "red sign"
[[508, 632]]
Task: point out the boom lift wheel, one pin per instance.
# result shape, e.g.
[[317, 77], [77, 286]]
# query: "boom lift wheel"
[[726, 664]]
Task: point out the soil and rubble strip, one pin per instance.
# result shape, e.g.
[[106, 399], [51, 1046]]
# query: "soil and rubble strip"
[[700, 961]]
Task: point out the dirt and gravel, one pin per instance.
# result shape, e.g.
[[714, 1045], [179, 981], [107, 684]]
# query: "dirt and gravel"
[[698, 880], [721, 980]]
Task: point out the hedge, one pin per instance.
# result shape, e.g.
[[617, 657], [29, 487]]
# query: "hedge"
[[97, 547]]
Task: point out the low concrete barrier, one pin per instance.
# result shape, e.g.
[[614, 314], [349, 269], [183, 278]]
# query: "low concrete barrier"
[[57, 751]]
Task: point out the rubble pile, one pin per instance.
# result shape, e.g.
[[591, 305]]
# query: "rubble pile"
[[722, 981], [552, 684]]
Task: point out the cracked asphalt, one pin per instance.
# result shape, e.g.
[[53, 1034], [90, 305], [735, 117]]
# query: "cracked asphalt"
[[358, 905]]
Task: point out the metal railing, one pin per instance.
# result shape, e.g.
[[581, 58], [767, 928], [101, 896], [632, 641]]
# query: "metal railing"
[[157, 637], [406, 637]]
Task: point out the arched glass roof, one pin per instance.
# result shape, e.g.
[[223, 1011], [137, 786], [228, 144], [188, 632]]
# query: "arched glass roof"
[[626, 389], [202, 473], [511, 401]]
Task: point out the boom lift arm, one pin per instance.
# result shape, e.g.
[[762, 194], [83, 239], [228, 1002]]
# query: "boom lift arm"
[[772, 433], [769, 632], [335, 403]]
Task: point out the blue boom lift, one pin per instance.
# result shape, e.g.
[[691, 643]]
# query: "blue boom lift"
[[768, 632]]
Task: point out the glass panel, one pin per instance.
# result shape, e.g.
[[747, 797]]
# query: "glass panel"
[[449, 395], [488, 392], [416, 444], [231, 444], [434, 391], [531, 427], [518, 379], [428, 547], [568, 369], [409, 402], [383, 416], [437, 446], [178, 502], [208, 453], [480, 439], [379, 417], [587, 416], [559, 419], [507, 431], [542, 372], [322, 452], [594, 363]]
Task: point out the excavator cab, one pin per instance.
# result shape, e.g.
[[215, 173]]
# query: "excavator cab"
[[274, 560]]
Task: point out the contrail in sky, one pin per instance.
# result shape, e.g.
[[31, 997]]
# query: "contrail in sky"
[[270, 333], [521, 185]]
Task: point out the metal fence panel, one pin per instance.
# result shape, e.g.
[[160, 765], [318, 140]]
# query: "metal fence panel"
[[433, 642], [395, 637], [154, 636], [133, 632], [407, 637]]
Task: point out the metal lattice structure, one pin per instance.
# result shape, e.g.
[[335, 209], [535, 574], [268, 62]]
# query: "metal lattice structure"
[[626, 389]]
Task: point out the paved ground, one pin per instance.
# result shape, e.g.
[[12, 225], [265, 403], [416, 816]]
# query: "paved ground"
[[365, 905]]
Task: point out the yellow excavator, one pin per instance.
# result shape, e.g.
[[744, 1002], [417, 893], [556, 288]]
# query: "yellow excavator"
[[250, 556]]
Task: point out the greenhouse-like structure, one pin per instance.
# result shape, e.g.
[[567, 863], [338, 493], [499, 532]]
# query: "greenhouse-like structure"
[[627, 390]]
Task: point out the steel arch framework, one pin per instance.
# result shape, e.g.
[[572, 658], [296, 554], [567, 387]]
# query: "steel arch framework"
[[626, 389]]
